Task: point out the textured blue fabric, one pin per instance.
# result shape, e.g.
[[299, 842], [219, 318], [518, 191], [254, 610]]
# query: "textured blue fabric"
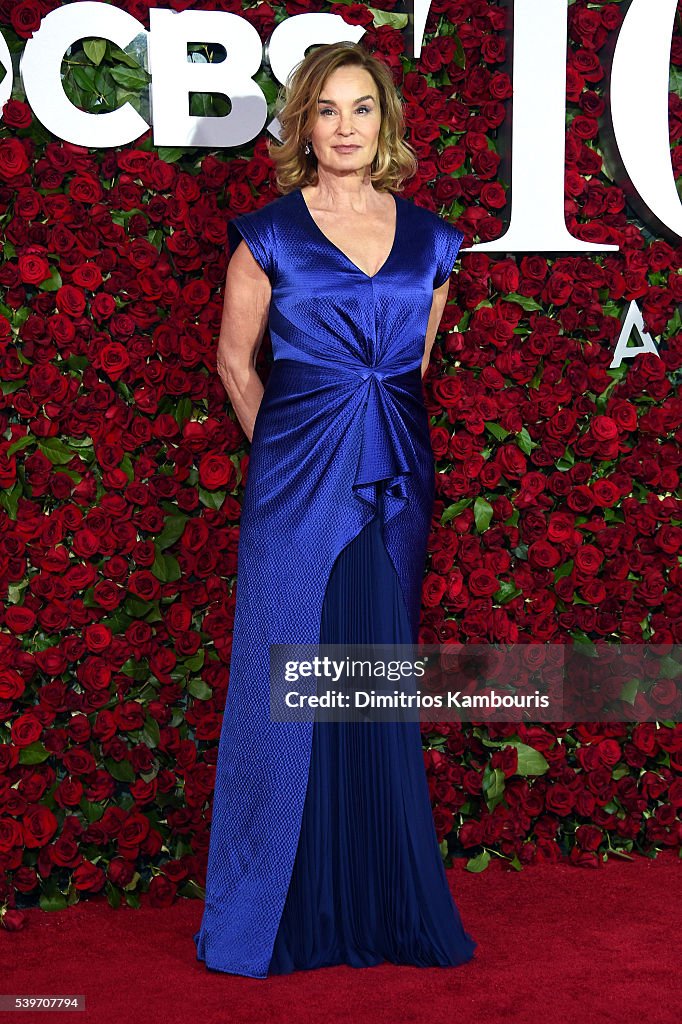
[[368, 883], [342, 410]]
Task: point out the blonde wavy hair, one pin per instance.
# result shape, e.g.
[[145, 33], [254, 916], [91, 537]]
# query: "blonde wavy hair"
[[395, 159]]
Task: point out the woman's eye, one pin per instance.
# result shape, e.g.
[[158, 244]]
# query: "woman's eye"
[[328, 110]]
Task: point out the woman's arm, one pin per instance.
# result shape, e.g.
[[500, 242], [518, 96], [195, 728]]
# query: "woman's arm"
[[440, 297], [245, 316]]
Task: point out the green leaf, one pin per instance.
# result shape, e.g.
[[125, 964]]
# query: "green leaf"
[[397, 21], [55, 450], [669, 668], [77, 362], [171, 154], [134, 669], [130, 78], [507, 592], [151, 732], [95, 49], [452, 511], [8, 387], [493, 786], [183, 409], [121, 57], [113, 896], [53, 282], [34, 753], [122, 771], [84, 77], [166, 568], [173, 529], [136, 607], [23, 442], [212, 499], [525, 301], [479, 863], [525, 442], [199, 689], [54, 901], [9, 500], [196, 662], [531, 761], [267, 86], [91, 811], [483, 513], [496, 430], [629, 691]]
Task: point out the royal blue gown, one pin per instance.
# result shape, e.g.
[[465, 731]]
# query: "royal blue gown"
[[323, 848]]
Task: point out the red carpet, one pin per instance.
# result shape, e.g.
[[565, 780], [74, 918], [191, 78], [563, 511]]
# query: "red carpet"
[[556, 943]]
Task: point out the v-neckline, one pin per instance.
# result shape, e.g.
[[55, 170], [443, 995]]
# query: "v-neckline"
[[320, 232]]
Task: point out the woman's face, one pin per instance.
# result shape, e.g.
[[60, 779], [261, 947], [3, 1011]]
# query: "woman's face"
[[346, 134]]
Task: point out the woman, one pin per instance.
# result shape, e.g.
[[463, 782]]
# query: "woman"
[[323, 848]]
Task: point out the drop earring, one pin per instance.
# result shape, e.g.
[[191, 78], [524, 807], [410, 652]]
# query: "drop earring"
[[307, 149]]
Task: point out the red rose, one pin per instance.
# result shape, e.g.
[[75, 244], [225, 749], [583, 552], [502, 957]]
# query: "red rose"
[[483, 583], [12, 920], [39, 824], [144, 584], [471, 834], [161, 891], [433, 589], [120, 871], [356, 14], [133, 832], [10, 834], [559, 799], [543, 555], [88, 877], [11, 684], [217, 473], [160, 176], [85, 189], [88, 276], [17, 114], [19, 619], [588, 559], [196, 294], [666, 693], [25, 17], [13, 159], [609, 752], [113, 359], [33, 268], [102, 307], [70, 300], [97, 637]]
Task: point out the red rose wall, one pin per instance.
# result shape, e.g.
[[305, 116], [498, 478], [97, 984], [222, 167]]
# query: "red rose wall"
[[558, 512]]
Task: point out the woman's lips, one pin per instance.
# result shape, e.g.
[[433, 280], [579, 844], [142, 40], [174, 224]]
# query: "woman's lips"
[[346, 149]]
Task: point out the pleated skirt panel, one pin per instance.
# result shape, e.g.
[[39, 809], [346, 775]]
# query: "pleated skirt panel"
[[368, 882]]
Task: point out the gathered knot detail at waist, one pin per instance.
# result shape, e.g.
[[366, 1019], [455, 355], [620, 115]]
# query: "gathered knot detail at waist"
[[358, 369]]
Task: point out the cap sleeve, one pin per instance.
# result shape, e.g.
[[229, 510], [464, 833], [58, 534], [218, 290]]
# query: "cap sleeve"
[[257, 231], [448, 241]]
